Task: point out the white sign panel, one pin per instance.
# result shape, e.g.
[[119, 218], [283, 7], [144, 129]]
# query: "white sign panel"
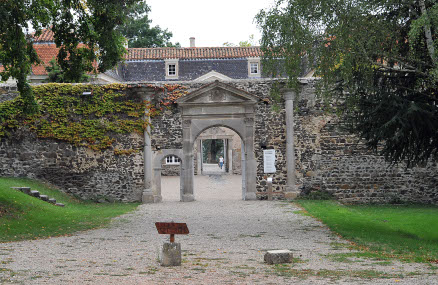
[[269, 161]]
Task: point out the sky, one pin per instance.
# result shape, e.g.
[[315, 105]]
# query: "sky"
[[212, 23]]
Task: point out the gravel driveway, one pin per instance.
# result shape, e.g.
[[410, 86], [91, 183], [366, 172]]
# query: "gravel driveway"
[[228, 238]]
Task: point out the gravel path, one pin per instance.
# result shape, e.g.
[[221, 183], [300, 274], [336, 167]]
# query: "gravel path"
[[228, 238]]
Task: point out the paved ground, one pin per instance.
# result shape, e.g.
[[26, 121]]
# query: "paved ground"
[[227, 240], [212, 168]]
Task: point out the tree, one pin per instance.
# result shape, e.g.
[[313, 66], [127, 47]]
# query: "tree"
[[378, 57], [248, 43], [56, 74], [139, 32], [84, 30]]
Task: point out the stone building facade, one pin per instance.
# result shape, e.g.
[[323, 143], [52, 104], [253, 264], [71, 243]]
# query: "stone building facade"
[[325, 158]]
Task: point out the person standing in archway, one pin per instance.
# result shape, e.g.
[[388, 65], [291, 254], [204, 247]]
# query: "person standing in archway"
[[221, 161]]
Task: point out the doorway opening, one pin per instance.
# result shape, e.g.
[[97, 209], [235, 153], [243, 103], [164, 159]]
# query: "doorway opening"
[[170, 177], [215, 145]]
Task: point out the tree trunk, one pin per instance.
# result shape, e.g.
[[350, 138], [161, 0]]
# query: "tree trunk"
[[428, 32]]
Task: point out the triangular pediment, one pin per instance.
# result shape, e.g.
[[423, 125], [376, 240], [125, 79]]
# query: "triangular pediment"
[[217, 93], [212, 76]]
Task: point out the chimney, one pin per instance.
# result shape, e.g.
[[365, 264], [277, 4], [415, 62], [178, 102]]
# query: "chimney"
[[192, 42]]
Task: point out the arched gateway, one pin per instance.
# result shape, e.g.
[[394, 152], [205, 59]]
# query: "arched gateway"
[[218, 104]]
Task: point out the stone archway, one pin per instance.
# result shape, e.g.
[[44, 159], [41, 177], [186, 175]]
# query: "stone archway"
[[218, 104]]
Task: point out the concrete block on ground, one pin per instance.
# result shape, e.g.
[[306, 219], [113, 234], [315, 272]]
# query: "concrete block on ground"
[[171, 254], [278, 256], [60, 204], [44, 197], [16, 188], [52, 200], [34, 193]]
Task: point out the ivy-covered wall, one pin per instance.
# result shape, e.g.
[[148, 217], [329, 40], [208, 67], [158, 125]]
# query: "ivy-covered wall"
[[86, 139]]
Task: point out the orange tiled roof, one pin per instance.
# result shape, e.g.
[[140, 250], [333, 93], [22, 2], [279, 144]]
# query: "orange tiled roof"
[[45, 52], [192, 53], [46, 36]]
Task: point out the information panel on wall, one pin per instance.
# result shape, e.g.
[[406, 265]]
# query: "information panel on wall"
[[269, 161]]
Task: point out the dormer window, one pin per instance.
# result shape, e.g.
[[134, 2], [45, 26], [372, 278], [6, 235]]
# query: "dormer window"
[[171, 68], [254, 67]]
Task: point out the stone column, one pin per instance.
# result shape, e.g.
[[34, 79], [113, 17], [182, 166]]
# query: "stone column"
[[291, 191], [157, 181], [230, 156], [149, 193], [243, 168], [250, 169], [187, 170], [199, 156]]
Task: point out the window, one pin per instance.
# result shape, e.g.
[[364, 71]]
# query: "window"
[[173, 160], [254, 68], [171, 70]]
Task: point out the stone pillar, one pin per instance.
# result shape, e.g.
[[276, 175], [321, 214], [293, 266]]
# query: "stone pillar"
[[157, 181], [230, 156], [188, 173], [250, 169], [243, 168], [149, 193], [199, 156], [291, 191]]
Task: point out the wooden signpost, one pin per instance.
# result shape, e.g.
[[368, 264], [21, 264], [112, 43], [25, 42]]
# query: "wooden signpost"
[[172, 229]]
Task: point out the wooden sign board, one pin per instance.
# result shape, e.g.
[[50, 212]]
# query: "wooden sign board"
[[172, 228]]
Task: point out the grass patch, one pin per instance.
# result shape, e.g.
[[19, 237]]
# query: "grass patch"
[[24, 217], [404, 232]]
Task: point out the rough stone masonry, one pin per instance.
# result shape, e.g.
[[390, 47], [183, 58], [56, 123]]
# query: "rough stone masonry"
[[326, 158]]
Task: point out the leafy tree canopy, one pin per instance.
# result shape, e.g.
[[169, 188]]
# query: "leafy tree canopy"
[[85, 31], [56, 74], [248, 43], [139, 32], [379, 57]]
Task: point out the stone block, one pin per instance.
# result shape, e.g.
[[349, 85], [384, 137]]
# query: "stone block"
[[171, 254], [60, 205], [25, 190], [34, 193], [291, 195], [44, 197], [52, 200], [148, 197], [278, 256]]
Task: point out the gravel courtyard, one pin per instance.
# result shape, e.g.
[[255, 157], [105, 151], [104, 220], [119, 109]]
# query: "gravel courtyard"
[[228, 238]]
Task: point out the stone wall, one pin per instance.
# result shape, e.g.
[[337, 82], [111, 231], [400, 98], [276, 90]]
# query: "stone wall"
[[327, 159], [80, 171], [331, 160], [7, 92], [77, 170]]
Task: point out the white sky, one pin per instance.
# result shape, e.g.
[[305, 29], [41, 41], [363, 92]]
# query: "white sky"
[[212, 23]]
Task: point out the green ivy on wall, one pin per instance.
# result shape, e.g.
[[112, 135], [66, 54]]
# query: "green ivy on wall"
[[67, 114]]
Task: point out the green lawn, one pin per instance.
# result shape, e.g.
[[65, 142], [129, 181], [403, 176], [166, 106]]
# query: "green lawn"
[[24, 217], [406, 232]]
